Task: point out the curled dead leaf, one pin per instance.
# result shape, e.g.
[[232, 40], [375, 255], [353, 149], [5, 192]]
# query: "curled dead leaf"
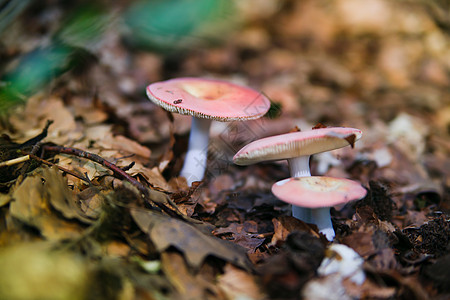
[[165, 232], [318, 126], [238, 284], [33, 201]]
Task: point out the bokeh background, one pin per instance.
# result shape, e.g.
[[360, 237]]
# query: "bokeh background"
[[378, 65]]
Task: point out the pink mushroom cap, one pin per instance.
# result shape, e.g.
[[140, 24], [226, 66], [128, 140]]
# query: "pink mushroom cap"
[[209, 98], [296, 144], [318, 191]]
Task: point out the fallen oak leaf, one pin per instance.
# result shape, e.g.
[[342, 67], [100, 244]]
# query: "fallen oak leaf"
[[33, 141], [32, 205], [158, 197], [35, 115], [241, 236], [4, 199], [185, 283], [61, 198], [123, 145], [285, 225], [165, 232], [238, 284], [184, 196], [118, 172]]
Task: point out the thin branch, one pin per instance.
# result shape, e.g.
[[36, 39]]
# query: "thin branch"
[[96, 158], [14, 161], [39, 137], [46, 162], [156, 197]]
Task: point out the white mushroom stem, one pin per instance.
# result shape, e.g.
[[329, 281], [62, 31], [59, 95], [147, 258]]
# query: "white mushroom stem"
[[301, 213], [322, 218], [197, 154], [299, 167]]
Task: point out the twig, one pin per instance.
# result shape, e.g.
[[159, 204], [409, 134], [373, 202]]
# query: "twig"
[[35, 142], [126, 168], [36, 147], [39, 137], [14, 161], [33, 151], [94, 157], [46, 162], [156, 197]]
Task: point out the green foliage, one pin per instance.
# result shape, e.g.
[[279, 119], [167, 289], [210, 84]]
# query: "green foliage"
[[33, 72], [84, 27], [66, 51], [37, 67], [10, 10], [174, 24], [274, 110]]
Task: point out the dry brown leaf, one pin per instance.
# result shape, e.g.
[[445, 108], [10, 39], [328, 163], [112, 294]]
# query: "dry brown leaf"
[[86, 109], [91, 201], [196, 246], [99, 139], [124, 145], [361, 242], [238, 284], [95, 133], [61, 198], [32, 206], [83, 167], [243, 235], [285, 225], [4, 199], [36, 113], [370, 290], [319, 125], [185, 283], [152, 175], [116, 249], [385, 259], [295, 129]]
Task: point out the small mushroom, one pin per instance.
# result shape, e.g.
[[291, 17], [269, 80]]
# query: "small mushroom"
[[319, 193], [343, 261], [206, 100], [340, 265], [297, 147]]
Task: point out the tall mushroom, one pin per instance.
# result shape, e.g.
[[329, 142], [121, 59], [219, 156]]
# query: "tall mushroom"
[[318, 193], [297, 147], [206, 100]]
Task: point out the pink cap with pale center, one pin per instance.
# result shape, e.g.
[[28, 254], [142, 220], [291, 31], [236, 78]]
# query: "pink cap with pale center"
[[318, 191], [296, 144], [209, 98]]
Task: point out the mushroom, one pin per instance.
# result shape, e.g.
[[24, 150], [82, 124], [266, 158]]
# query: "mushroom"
[[206, 100], [319, 193], [343, 261], [340, 272], [297, 147]]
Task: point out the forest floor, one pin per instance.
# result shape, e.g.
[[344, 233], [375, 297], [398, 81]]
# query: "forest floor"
[[96, 209]]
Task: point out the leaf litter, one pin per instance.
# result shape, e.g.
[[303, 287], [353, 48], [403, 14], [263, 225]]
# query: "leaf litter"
[[168, 232], [146, 235]]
